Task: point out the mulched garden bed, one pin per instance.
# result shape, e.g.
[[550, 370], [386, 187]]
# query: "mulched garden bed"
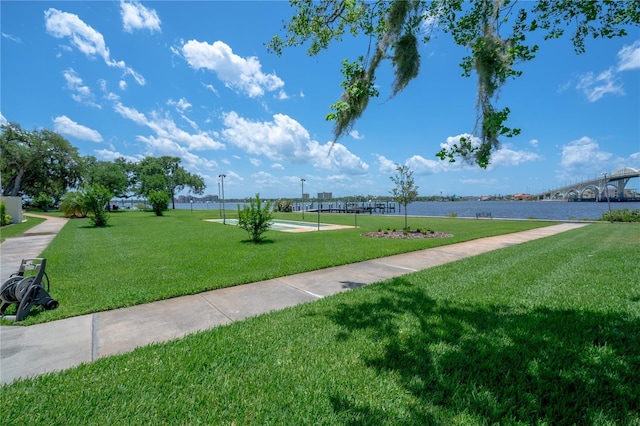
[[408, 235]]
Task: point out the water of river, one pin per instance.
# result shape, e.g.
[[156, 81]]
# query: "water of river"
[[554, 210]]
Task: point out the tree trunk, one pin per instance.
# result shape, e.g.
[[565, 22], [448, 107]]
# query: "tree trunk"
[[15, 185]]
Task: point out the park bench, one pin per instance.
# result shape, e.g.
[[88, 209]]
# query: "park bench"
[[484, 215]]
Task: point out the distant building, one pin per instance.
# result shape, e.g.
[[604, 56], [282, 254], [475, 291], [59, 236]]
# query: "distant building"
[[325, 195], [521, 197]]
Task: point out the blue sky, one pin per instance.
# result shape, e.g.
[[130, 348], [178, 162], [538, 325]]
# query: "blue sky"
[[195, 80]]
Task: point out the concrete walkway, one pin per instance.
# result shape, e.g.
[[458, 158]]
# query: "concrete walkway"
[[30, 245], [42, 348]]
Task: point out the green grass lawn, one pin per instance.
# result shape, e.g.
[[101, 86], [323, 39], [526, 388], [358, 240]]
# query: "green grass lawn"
[[17, 229], [545, 332], [141, 258]]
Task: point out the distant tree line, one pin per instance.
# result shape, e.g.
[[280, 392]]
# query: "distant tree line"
[[44, 166]]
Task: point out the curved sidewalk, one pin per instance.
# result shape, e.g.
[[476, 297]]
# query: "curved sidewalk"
[[42, 348], [29, 245]]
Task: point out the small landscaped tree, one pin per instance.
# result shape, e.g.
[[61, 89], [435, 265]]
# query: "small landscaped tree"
[[159, 201], [405, 191], [95, 199], [255, 219], [72, 205]]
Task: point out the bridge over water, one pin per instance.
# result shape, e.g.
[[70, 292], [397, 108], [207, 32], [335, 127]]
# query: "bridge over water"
[[595, 188]]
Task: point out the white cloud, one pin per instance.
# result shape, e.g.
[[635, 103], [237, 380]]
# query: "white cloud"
[[255, 162], [122, 84], [422, 166], [3, 120], [277, 166], [110, 155], [238, 73], [180, 105], [167, 146], [84, 38], [386, 165], [137, 17], [213, 89], [629, 57], [356, 135], [583, 158], [12, 38], [472, 181], [335, 156], [582, 152], [81, 92], [503, 156], [595, 87], [67, 127], [284, 139], [263, 179], [534, 143], [167, 130]]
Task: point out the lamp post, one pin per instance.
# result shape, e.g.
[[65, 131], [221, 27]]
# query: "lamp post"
[[302, 197], [606, 189], [191, 205], [224, 217]]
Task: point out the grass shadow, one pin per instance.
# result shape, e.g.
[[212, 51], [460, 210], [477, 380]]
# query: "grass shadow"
[[498, 364]]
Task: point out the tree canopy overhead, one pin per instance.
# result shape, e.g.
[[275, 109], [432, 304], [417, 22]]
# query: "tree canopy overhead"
[[494, 31], [35, 162]]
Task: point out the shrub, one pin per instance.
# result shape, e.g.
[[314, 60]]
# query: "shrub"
[[95, 199], [624, 215], [254, 219], [42, 202], [5, 219], [72, 205], [159, 201]]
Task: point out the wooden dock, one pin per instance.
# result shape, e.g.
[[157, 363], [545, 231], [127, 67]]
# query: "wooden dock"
[[378, 208]]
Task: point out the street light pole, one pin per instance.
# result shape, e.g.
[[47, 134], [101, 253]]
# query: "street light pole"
[[302, 197], [224, 216], [606, 189], [219, 198]]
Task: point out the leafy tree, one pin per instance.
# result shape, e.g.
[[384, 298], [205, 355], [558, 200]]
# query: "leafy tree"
[[495, 32], [95, 199], [405, 190], [255, 219], [166, 174], [111, 175], [159, 201], [35, 162]]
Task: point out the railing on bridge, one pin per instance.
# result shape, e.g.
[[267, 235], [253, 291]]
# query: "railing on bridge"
[[599, 188]]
